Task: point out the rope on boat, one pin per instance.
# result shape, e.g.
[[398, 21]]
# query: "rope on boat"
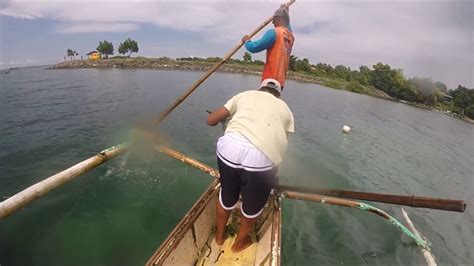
[[304, 196], [418, 240], [357, 205]]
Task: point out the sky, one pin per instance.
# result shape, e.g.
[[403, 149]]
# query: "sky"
[[433, 39]]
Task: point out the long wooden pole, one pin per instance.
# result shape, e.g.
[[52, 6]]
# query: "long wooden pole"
[[412, 201], [206, 75], [37, 190]]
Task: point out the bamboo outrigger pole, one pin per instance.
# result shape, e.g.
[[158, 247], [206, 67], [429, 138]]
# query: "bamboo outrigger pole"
[[206, 75], [307, 196], [412, 201], [430, 259], [357, 205], [37, 190]]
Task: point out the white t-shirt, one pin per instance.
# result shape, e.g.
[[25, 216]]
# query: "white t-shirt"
[[263, 119]]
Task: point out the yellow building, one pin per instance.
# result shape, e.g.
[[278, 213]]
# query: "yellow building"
[[94, 55]]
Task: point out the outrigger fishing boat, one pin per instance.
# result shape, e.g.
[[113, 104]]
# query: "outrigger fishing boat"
[[192, 240]]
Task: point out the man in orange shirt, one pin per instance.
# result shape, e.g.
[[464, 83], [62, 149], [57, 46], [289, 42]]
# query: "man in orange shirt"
[[278, 42]]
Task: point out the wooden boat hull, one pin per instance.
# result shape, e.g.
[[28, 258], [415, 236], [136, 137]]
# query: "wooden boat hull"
[[192, 241]]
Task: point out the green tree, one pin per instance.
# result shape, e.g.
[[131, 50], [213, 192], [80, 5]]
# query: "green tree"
[[213, 59], [296, 64], [342, 72], [462, 97], [364, 75], [70, 53], [247, 57], [469, 111], [427, 90], [381, 78], [128, 46], [106, 48], [391, 81], [304, 65], [441, 86], [292, 62]]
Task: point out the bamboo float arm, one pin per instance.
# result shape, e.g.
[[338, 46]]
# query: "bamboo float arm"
[[412, 201], [432, 203], [304, 196], [187, 160], [358, 205], [37, 190], [430, 259], [206, 75]]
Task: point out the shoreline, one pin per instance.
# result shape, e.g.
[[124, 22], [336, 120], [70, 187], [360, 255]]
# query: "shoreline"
[[164, 63]]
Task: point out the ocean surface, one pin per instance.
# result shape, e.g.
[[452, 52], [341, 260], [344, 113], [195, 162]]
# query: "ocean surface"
[[120, 212]]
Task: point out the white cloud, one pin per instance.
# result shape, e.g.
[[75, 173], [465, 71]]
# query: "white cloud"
[[97, 27], [425, 38], [18, 63]]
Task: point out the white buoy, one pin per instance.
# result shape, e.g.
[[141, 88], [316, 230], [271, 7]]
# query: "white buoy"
[[346, 129]]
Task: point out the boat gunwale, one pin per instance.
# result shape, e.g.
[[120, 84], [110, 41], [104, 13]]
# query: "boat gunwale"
[[187, 222], [174, 237], [275, 246]]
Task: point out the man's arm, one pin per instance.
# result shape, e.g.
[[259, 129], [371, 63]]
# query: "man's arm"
[[217, 116], [284, 6], [267, 41]]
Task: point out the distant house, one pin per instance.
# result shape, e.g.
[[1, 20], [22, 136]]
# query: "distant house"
[[446, 97], [94, 55]]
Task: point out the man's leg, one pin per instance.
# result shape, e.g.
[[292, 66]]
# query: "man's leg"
[[222, 216], [256, 187], [243, 237], [228, 198]]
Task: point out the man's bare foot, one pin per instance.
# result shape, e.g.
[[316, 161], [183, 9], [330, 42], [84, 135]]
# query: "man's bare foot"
[[239, 246]]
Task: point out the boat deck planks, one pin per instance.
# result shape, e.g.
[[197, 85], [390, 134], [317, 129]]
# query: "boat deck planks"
[[192, 241]]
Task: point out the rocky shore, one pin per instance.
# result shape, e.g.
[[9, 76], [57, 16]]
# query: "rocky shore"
[[203, 65], [158, 63]]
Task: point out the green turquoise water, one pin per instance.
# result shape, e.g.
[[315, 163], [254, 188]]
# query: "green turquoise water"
[[119, 213]]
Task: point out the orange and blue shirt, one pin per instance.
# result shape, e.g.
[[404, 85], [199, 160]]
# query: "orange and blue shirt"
[[278, 42]]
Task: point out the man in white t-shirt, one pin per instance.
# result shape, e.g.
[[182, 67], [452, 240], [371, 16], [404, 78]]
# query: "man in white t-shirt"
[[249, 153]]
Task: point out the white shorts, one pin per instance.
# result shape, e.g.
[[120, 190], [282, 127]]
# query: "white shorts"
[[237, 152]]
